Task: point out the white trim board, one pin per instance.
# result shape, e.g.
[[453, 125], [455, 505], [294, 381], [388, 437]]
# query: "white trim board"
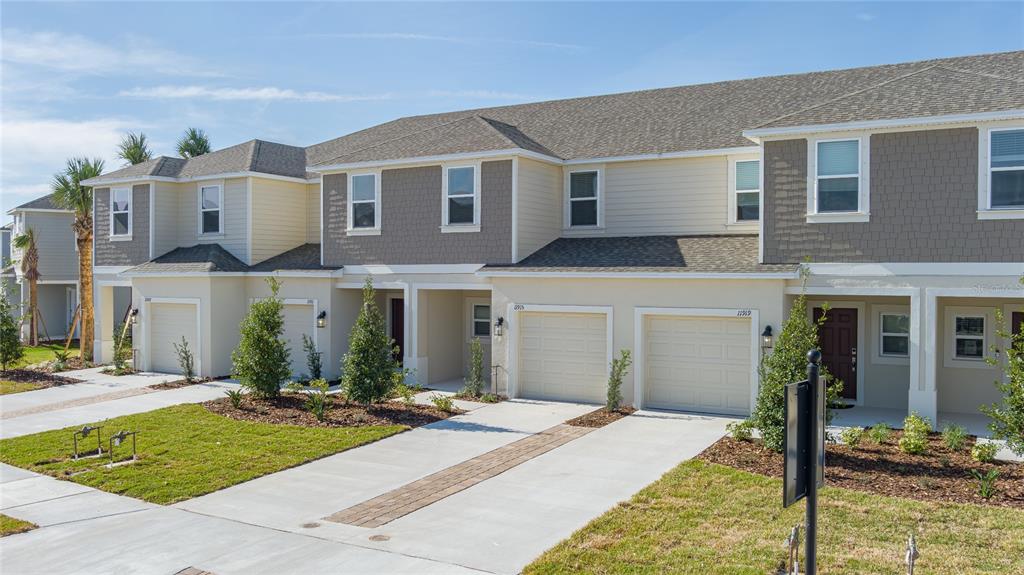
[[148, 327], [381, 270], [917, 269], [642, 275], [757, 133], [100, 181]]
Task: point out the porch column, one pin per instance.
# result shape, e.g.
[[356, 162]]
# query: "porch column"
[[923, 355], [103, 350]]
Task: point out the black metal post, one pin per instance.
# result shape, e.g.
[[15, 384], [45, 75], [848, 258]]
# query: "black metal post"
[[811, 535]]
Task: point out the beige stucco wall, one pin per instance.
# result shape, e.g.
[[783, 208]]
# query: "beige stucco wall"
[[624, 296]]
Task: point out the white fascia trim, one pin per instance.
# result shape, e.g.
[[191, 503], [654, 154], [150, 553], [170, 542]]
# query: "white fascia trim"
[[646, 275], [667, 155], [182, 274], [757, 133], [853, 291], [101, 181], [13, 211], [434, 159], [918, 269], [293, 274], [109, 270], [381, 270]]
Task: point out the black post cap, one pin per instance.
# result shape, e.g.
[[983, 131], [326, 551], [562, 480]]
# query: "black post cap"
[[814, 356]]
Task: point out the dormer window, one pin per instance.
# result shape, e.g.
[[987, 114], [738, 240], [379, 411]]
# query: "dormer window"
[[120, 212], [211, 214]]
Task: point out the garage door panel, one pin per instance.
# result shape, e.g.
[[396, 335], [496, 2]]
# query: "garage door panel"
[[562, 356], [169, 322], [697, 364]]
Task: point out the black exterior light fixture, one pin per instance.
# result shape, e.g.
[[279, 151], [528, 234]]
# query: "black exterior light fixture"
[[766, 339], [498, 325], [321, 319], [134, 316]]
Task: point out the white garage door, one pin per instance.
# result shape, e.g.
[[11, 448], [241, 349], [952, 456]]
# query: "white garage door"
[[697, 364], [563, 356], [298, 320], [169, 322]]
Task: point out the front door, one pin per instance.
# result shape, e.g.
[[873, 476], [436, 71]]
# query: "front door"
[[1017, 321], [398, 326], [838, 340]]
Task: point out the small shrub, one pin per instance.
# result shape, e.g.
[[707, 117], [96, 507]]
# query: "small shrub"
[[475, 380], [984, 452], [11, 348], [618, 370], [370, 370], [490, 398], [122, 349], [852, 436], [1008, 414], [406, 394], [986, 482], [741, 430], [915, 434], [879, 433], [443, 402], [235, 397], [185, 359], [60, 363], [313, 358], [317, 399], [954, 436]]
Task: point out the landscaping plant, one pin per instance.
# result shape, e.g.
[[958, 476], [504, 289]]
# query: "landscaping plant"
[[185, 359], [235, 397], [406, 393], [879, 433], [1008, 415], [443, 402], [741, 430], [475, 380], [619, 366], [370, 370], [852, 436], [915, 434], [262, 359], [986, 482], [122, 350], [60, 362], [313, 358], [11, 349], [788, 364], [317, 399], [954, 436], [984, 452]]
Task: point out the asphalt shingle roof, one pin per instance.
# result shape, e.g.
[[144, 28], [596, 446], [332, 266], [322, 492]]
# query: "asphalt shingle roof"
[[304, 257], [212, 258], [43, 203], [693, 254]]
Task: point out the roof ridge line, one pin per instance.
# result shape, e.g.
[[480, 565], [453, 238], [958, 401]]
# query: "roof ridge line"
[[396, 138], [487, 123], [254, 154], [853, 93], [982, 74]]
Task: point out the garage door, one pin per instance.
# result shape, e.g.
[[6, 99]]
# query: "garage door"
[[697, 364], [563, 356], [298, 320], [169, 322]]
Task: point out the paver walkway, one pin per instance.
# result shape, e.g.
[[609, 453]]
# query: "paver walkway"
[[89, 400], [435, 487]]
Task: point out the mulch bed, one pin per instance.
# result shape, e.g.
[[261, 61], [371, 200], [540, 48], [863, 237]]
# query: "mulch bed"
[[40, 378], [600, 417], [938, 475], [289, 409], [178, 383]]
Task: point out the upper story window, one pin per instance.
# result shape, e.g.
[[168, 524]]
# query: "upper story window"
[[121, 212], [583, 199], [1006, 169], [747, 191], [837, 176], [461, 208], [364, 203], [211, 213]]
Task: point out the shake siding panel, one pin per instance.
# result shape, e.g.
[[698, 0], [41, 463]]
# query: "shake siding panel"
[[122, 253]]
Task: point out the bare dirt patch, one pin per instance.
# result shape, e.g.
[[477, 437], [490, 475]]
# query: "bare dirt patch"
[[41, 378], [600, 417], [289, 409], [938, 475]]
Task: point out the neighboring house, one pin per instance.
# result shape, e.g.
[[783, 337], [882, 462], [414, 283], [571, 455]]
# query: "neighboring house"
[[8, 280], [562, 232]]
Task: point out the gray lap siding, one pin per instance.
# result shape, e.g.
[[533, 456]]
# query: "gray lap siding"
[[411, 221], [122, 252], [924, 205]]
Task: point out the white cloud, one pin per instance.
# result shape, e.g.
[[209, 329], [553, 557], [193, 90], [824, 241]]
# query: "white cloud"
[[78, 54], [266, 94], [447, 39]]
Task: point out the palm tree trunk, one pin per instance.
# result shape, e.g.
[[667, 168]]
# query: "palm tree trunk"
[[33, 307], [85, 299]]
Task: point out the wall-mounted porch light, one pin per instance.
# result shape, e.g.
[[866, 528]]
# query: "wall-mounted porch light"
[[134, 316], [766, 339], [321, 319], [498, 324]]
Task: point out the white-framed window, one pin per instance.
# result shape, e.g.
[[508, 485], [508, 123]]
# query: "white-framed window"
[[481, 320], [746, 191], [460, 210], [211, 209], [837, 180], [364, 203], [1006, 169], [969, 337], [894, 334], [120, 212], [584, 199]]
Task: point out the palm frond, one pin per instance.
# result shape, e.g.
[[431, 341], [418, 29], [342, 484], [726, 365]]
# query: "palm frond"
[[134, 149], [68, 191], [193, 143]]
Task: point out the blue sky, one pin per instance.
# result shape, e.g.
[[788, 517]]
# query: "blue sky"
[[76, 76]]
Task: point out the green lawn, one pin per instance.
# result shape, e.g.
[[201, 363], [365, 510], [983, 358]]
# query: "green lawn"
[[47, 352], [705, 518], [185, 451], [16, 387], [11, 526]]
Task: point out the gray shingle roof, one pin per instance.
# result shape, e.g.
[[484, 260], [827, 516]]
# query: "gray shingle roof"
[[43, 203], [692, 254], [304, 257], [212, 258]]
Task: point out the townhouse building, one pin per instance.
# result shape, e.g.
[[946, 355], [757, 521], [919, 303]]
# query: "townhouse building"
[[677, 223]]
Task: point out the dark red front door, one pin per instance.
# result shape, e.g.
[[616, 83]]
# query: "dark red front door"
[[838, 340], [1017, 321], [398, 325]]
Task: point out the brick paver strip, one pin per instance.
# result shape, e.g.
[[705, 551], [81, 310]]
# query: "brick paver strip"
[[78, 402], [435, 487]]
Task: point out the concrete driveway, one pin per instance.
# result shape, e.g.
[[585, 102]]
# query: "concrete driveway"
[[496, 526]]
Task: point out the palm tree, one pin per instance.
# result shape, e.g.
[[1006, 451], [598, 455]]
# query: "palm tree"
[[193, 143], [26, 243], [70, 194], [134, 149]]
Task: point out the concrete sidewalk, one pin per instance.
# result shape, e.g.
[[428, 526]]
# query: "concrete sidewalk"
[[93, 384]]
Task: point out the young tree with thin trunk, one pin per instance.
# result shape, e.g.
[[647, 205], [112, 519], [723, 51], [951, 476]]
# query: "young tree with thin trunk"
[[193, 143], [134, 149], [26, 244], [70, 194]]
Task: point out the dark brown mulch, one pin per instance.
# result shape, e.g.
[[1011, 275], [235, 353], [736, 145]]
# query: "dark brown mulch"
[[40, 378], [938, 475], [178, 383], [600, 417], [289, 409], [71, 364]]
